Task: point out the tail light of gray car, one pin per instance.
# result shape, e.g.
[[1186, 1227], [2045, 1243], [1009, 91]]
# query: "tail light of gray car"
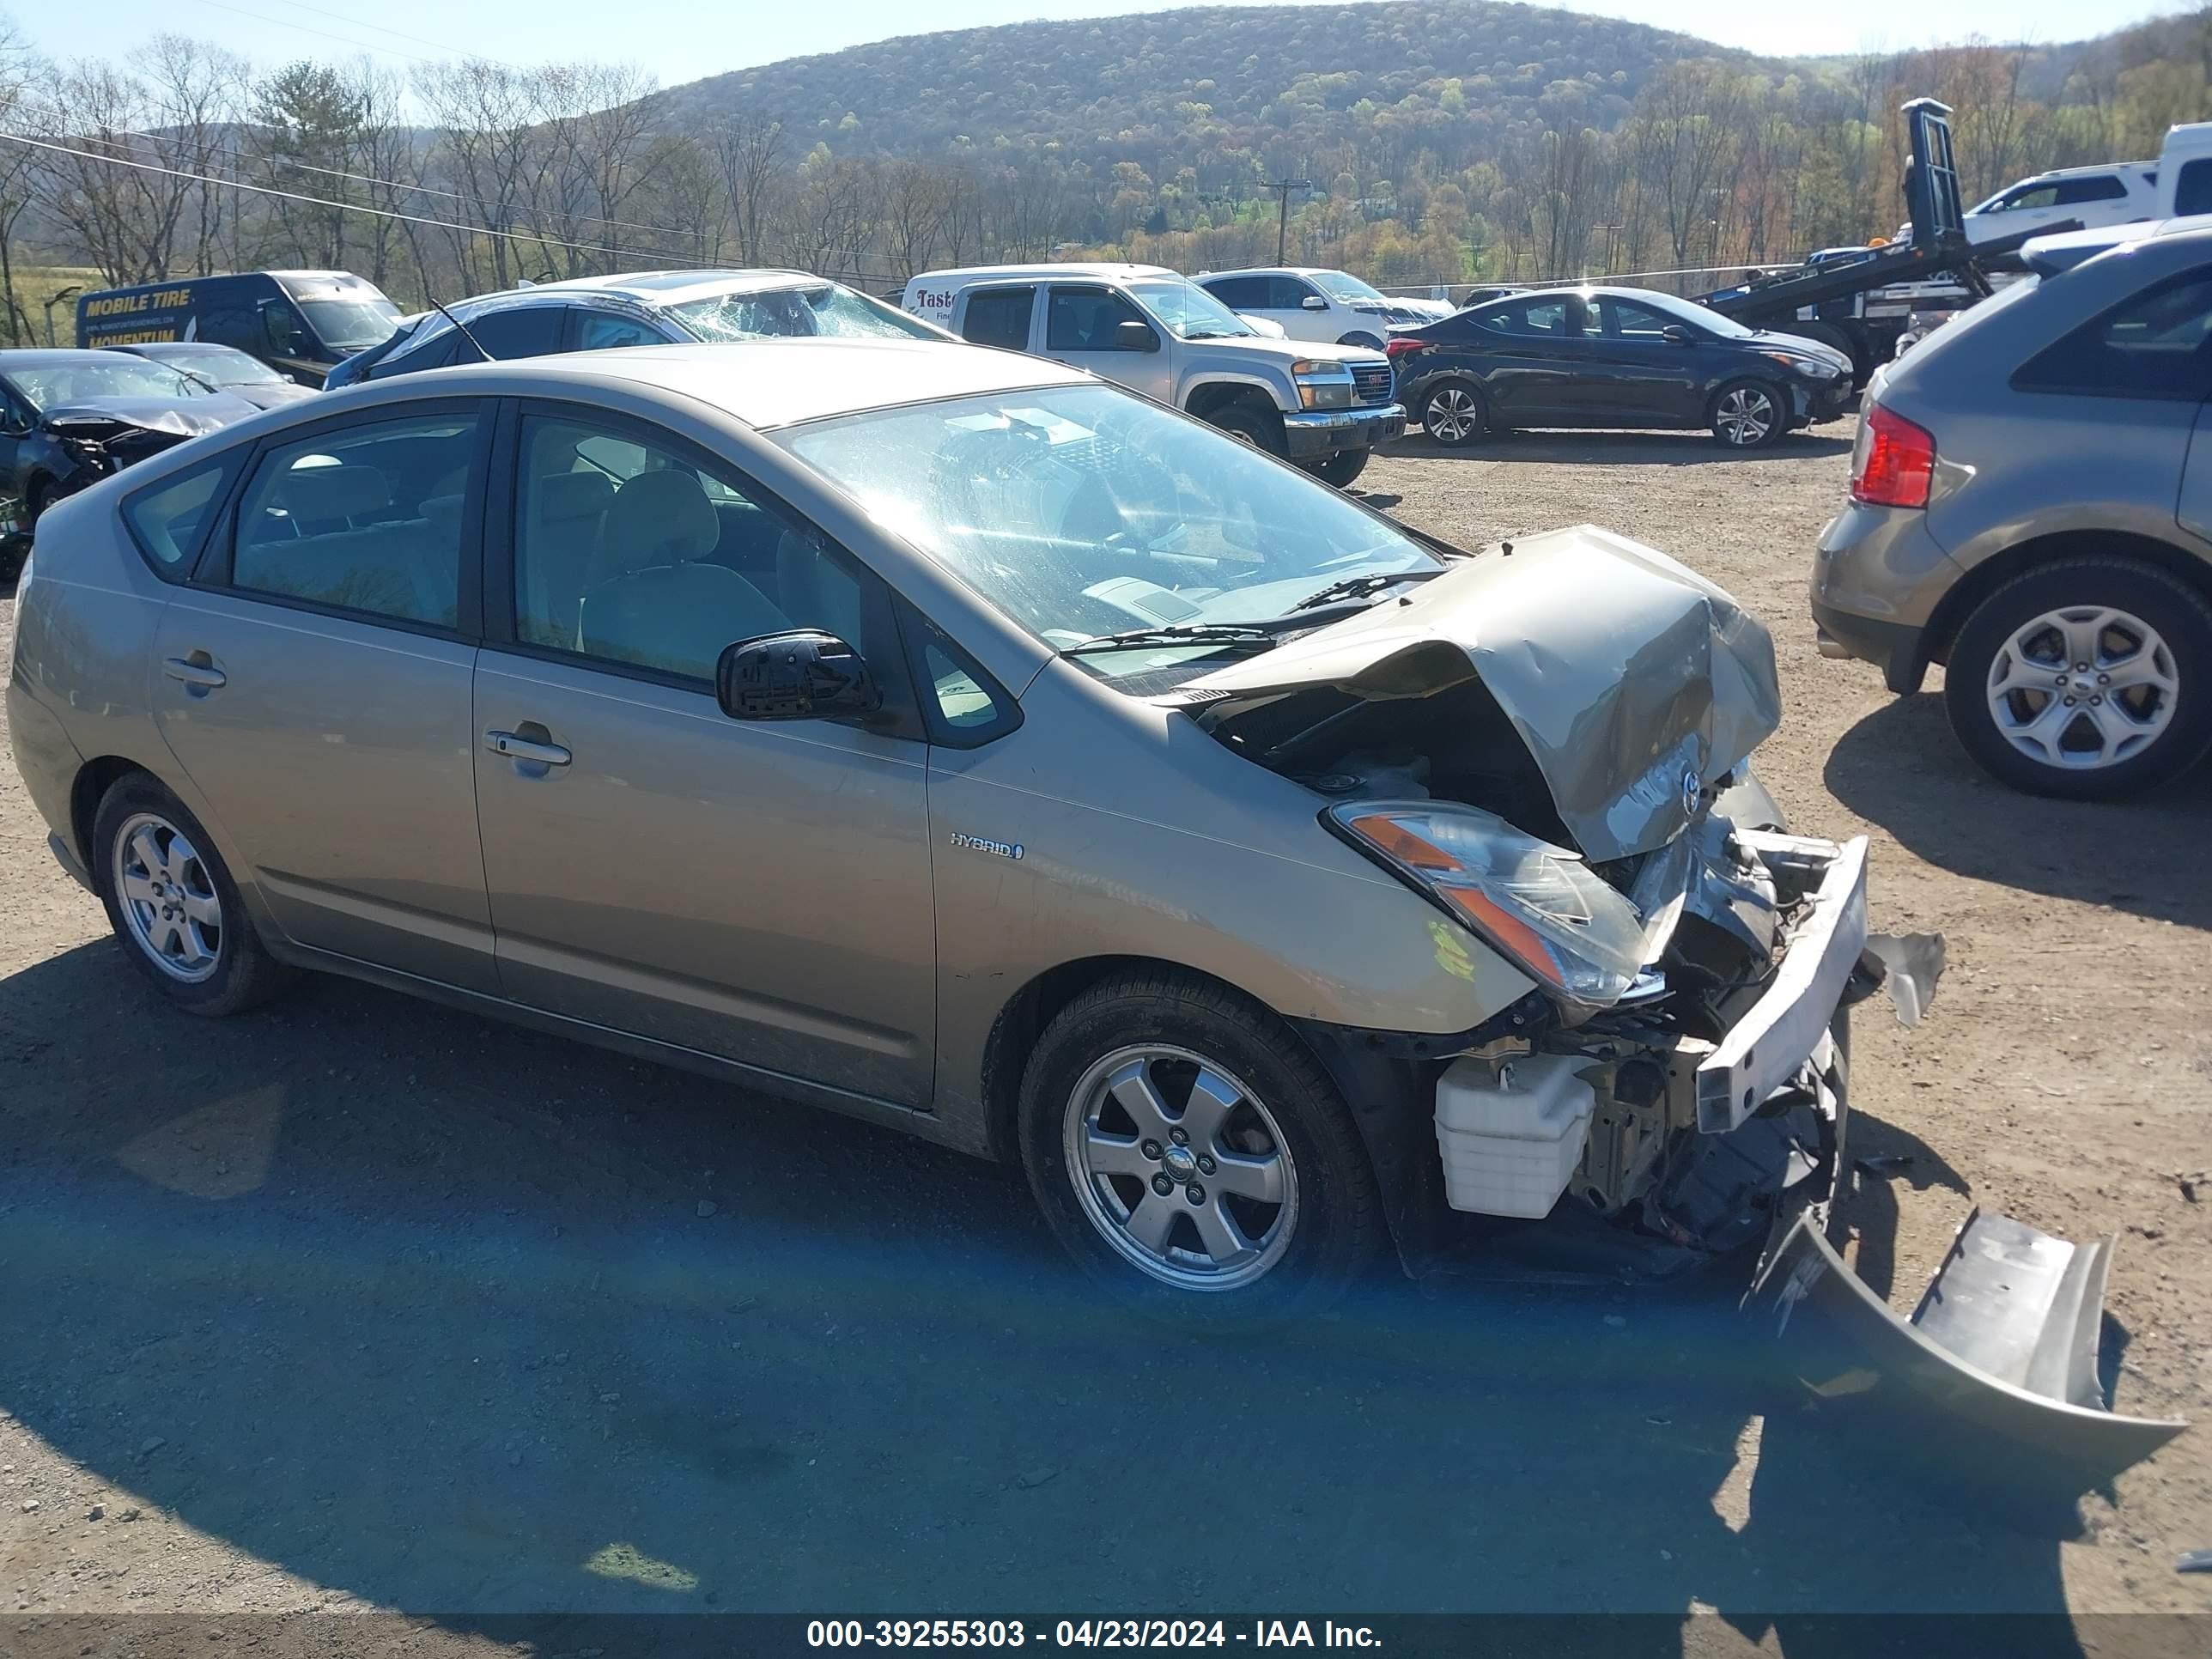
[[1893, 460]]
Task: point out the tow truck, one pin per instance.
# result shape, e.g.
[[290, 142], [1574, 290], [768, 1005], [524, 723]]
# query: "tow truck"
[[1860, 300]]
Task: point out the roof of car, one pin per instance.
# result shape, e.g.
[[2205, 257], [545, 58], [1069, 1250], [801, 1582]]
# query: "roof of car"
[[50, 358], [988, 273], [780, 382], [1274, 271], [646, 288], [188, 348]]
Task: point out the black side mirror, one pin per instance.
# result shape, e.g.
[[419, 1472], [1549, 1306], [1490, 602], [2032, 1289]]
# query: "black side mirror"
[[1130, 335], [804, 675], [1678, 334]]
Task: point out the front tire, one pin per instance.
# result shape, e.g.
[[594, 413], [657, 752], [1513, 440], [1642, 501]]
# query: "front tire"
[[1260, 429], [1193, 1156], [1341, 468], [2087, 678], [1749, 415], [173, 904], [1452, 413]]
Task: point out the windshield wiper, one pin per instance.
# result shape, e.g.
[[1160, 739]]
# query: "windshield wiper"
[[1358, 587], [1178, 634]]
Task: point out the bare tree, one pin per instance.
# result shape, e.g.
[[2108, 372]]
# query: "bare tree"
[[749, 149], [487, 116]]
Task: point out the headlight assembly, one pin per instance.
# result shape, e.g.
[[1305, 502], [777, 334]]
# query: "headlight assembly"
[[1540, 905]]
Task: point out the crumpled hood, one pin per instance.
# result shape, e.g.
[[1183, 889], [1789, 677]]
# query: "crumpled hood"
[[187, 419], [1636, 683]]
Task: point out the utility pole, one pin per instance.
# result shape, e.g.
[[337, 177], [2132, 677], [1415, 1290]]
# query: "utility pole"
[[1283, 187]]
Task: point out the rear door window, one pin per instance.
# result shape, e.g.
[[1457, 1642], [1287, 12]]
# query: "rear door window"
[[366, 519], [2156, 344], [1553, 318], [1240, 293], [1000, 317]]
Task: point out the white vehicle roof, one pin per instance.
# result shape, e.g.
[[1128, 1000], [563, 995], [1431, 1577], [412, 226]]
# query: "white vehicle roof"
[[778, 382], [1275, 270], [2103, 170], [963, 275], [674, 287]]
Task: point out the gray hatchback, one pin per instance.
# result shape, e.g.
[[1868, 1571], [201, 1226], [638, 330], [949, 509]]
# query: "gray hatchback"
[[941, 735], [2032, 507]]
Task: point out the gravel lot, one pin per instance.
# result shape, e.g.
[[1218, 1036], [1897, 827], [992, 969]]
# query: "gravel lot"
[[358, 1302]]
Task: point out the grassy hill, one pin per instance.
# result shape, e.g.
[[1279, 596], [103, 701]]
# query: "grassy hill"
[[1214, 87]]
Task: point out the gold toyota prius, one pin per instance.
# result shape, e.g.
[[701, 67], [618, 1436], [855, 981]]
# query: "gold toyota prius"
[[945, 737]]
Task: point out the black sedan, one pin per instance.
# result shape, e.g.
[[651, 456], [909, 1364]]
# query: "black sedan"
[[70, 418], [223, 368], [1613, 357]]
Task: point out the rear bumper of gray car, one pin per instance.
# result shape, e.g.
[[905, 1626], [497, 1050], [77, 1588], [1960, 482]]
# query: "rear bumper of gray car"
[[1893, 647], [1313, 433]]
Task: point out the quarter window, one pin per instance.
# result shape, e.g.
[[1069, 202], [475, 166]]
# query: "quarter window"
[[367, 519], [1000, 317], [2157, 344], [166, 522], [627, 551]]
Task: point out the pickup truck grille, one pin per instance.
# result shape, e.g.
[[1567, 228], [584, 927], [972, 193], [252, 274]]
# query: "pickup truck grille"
[[1371, 381]]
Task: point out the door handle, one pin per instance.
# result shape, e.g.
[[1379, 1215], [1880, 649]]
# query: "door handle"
[[200, 676], [526, 748]]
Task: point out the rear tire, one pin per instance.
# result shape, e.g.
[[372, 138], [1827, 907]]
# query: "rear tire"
[[173, 905], [2141, 713], [1341, 468], [1749, 415], [1260, 430], [1366, 340], [1453, 412], [1193, 1156]]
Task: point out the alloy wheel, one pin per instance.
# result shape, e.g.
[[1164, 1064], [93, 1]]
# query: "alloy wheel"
[[167, 898], [1453, 415], [1181, 1168], [1745, 416], [2083, 687]]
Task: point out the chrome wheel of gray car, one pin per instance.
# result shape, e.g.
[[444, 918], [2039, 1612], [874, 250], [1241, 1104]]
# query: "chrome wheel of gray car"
[[167, 898], [1181, 1168], [1453, 414], [2083, 687], [1745, 416]]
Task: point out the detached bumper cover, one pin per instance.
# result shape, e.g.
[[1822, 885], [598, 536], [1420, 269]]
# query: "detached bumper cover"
[[1997, 1366], [1314, 432]]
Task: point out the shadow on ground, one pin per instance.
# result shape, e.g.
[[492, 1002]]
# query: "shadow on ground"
[[1901, 767], [1584, 448], [424, 1309]]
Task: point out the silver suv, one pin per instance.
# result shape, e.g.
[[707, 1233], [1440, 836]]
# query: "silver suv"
[[2032, 507]]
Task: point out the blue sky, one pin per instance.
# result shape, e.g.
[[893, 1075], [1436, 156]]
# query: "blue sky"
[[683, 39]]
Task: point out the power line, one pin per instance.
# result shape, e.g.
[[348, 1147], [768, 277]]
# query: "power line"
[[240, 159], [540, 240], [399, 35], [308, 28]]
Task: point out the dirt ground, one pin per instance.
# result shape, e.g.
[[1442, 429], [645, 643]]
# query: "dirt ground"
[[357, 1304]]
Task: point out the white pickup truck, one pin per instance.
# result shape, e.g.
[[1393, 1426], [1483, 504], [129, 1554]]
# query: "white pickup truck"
[[1322, 405], [2179, 182]]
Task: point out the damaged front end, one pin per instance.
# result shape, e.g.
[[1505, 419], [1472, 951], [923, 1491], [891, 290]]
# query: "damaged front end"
[[1551, 744], [85, 442]]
